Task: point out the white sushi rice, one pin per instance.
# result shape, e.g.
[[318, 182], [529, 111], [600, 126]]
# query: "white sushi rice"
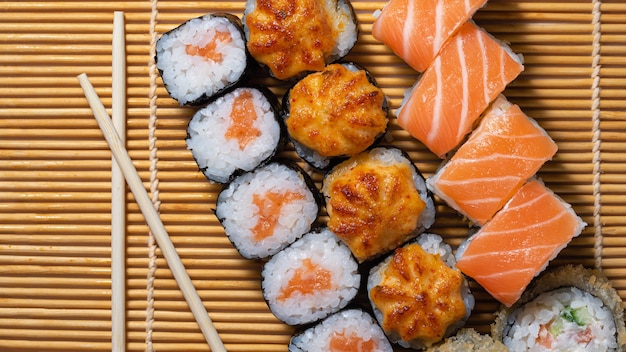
[[575, 320], [348, 322], [433, 244], [238, 213], [323, 249], [189, 77], [218, 156]]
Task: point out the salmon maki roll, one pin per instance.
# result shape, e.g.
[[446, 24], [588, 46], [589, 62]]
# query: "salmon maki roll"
[[506, 149], [203, 57], [568, 308], [376, 201], [265, 210], [519, 241], [417, 294], [294, 37], [235, 133], [347, 330], [417, 29], [335, 114], [311, 279], [471, 70]]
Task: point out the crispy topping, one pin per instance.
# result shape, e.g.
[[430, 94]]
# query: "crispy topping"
[[337, 112], [372, 207], [290, 36], [419, 296]]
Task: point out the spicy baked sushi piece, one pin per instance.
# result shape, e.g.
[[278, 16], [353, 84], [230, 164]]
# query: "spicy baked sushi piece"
[[417, 294], [265, 210], [202, 57], [347, 330], [293, 37], [469, 340], [311, 279], [471, 70], [416, 30], [567, 308], [376, 201], [235, 133], [506, 149], [519, 242], [334, 114]]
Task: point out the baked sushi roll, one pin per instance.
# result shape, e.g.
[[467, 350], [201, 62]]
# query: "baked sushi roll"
[[469, 340], [569, 308], [202, 57], [347, 330], [377, 201], [291, 38], [334, 114], [311, 279], [236, 132], [265, 210], [417, 294]]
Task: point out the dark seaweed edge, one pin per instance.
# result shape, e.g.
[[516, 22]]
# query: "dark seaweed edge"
[[310, 155], [274, 106], [329, 60], [310, 184], [243, 77]]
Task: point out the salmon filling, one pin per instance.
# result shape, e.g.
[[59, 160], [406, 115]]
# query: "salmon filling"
[[209, 52], [270, 205], [307, 280], [341, 342], [243, 116]]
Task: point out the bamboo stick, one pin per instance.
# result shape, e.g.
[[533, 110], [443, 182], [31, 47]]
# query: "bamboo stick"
[[152, 218]]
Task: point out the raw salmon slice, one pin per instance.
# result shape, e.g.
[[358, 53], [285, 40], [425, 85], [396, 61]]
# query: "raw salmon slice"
[[505, 150], [415, 30], [519, 242], [471, 70]]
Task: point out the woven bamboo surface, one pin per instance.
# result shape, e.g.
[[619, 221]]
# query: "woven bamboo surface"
[[55, 168]]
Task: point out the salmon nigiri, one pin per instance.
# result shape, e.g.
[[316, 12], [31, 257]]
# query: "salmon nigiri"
[[471, 70], [519, 242], [417, 29], [505, 150]]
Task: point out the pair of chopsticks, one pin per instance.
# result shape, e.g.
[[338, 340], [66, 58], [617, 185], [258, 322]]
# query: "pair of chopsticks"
[[123, 166]]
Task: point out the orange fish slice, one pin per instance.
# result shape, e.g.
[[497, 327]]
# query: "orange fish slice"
[[519, 242], [504, 151], [417, 29], [471, 70]]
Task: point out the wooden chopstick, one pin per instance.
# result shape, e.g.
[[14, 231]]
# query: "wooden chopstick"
[[118, 190], [151, 216]]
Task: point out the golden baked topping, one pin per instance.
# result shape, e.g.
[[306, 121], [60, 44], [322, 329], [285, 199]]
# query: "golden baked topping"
[[336, 112], [419, 296], [290, 36], [373, 207]]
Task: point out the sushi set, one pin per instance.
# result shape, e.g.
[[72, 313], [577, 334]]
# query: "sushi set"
[[377, 206], [334, 175]]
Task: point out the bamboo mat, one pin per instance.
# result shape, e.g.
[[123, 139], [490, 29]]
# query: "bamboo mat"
[[55, 283]]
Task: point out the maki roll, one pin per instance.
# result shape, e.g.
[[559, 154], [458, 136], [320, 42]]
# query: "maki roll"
[[202, 57], [291, 38], [569, 308], [334, 114], [236, 132], [376, 201], [469, 340], [264, 210], [417, 294], [311, 279], [347, 330]]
